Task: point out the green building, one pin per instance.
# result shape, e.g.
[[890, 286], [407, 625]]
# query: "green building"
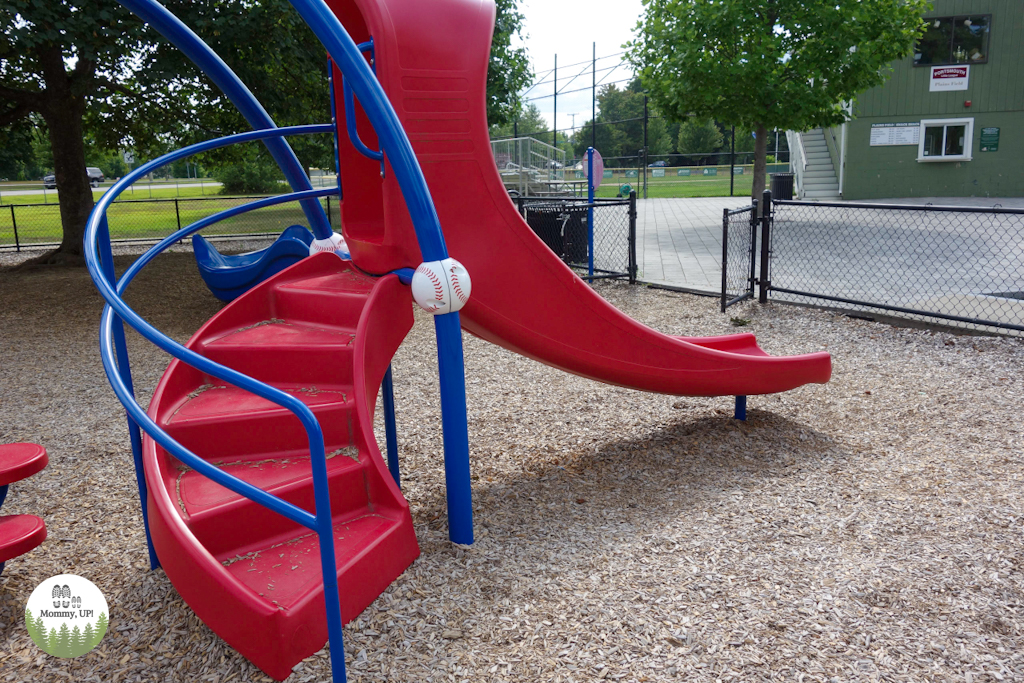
[[948, 123]]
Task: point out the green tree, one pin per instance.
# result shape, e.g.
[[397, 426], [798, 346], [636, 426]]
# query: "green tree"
[[63, 648], [787, 64], [36, 630], [255, 174], [509, 70], [92, 66], [530, 123], [101, 628], [620, 125], [76, 644], [696, 136], [88, 637]]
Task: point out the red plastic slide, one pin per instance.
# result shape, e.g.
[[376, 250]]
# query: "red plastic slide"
[[431, 59]]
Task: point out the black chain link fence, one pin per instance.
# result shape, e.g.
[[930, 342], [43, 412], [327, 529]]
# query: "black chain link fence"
[[739, 246], [562, 224], [38, 226], [961, 266]]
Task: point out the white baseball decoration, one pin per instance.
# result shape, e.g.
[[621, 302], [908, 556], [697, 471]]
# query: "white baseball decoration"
[[335, 243], [441, 287]]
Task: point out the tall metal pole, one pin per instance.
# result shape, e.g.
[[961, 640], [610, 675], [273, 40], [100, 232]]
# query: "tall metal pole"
[[644, 161], [590, 215], [593, 101], [554, 120], [732, 165]]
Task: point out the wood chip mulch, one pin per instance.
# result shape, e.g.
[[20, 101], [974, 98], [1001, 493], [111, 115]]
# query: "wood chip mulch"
[[868, 529]]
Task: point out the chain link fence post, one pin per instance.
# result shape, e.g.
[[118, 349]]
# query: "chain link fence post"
[[14, 224], [766, 222], [632, 237], [725, 258]]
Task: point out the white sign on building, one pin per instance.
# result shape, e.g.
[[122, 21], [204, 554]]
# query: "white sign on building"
[[885, 134], [947, 78]]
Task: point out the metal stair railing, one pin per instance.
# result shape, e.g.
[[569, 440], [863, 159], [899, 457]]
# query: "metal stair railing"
[[114, 354], [395, 146]]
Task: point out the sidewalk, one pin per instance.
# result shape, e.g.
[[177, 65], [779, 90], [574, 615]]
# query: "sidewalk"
[[679, 241]]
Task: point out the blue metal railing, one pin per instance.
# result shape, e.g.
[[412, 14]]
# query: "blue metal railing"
[[350, 112], [395, 145], [172, 28], [113, 352]]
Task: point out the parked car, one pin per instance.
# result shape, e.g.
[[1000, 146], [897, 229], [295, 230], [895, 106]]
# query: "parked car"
[[659, 163], [95, 178]]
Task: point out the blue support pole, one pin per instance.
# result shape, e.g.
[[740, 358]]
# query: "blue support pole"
[[741, 408], [388, 391], [459, 491], [172, 28], [124, 370], [590, 213], [394, 143]]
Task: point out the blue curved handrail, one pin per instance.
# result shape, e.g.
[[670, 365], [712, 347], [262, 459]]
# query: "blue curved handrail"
[[393, 140], [350, 124], [394, 143], [114, 355], [172, 28], [350, 113]]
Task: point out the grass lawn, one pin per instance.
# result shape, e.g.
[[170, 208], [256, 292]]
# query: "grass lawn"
[[144, 219], [138, 220], [158, 190]]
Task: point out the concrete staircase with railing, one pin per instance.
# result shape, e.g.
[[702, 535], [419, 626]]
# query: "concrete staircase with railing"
[[818, 176]]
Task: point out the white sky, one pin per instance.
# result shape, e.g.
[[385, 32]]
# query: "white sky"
[[569, 28]]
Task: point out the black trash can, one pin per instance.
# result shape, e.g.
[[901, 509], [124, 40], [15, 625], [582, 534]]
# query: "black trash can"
[[543, 219], [562, 227], [782, 185]]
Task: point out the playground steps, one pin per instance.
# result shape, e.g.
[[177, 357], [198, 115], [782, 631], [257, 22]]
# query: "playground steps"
[[324, 333], [19, 533]]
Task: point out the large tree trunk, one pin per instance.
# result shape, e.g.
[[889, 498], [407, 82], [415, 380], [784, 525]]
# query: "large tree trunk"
[[760, 162], [63, 114]]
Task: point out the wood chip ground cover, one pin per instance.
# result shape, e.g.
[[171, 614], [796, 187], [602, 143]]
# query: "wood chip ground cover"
[[868, 529]]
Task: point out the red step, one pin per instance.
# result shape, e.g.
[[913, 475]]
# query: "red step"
[[324, 333], [20, 460], [20, 534]]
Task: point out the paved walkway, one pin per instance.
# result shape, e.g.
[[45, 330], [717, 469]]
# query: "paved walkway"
[[679, 241]]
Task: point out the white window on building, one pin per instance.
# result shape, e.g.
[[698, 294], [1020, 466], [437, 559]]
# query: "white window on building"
[[946, 140]]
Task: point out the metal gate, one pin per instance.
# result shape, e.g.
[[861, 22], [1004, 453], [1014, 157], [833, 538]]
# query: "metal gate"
[[739, 254]]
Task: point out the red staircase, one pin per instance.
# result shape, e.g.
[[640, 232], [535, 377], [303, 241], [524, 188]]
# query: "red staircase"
[[19, 533], [325, 333]]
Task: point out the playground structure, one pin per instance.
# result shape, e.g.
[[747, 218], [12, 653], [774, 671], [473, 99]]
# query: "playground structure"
[[19, 533], [262, 485]]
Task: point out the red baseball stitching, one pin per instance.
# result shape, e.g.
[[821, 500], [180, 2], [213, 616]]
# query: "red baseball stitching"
[[438, 289], [458, 288]]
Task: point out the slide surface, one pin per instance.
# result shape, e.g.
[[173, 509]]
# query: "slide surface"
[[432, 59]]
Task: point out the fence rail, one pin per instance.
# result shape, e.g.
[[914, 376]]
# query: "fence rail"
[[960, 266], [38, 226]]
